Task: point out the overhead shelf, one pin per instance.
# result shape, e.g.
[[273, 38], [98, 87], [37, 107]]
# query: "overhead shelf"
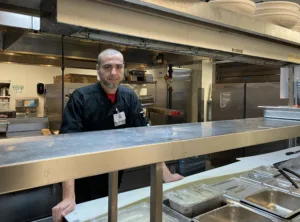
[[32, 162]]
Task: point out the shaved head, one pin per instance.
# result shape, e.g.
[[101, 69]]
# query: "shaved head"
[[108, 52], [110, 69]]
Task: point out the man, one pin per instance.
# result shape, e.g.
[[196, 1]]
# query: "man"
[[93, 108]]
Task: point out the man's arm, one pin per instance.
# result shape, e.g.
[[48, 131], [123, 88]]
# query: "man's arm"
[[141, 120], [72, 122], [68, 203]]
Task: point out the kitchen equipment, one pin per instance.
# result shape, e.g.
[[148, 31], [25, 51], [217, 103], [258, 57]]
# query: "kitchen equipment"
[[268, 181], [288, 178], [280, 13], [231, 213], [287, 20], [27, 106], [3, 126], [237, 189], [194, 201], [292, 153], [283, 186], [268, 170], [257, 177], [276, 202], [137, 213], [4, 96], [245, 7], [284, 5]]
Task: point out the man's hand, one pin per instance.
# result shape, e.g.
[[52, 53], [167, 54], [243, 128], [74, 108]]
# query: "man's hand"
[[168, 176], [172, 178], [62, 209]]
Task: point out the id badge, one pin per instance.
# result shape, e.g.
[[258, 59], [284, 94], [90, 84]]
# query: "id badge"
[[119, 118]]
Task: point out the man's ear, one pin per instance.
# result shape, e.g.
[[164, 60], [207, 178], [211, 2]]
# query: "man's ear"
[[98, 72]]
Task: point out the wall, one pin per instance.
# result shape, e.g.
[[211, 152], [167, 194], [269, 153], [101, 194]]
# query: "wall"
[[29, 75]]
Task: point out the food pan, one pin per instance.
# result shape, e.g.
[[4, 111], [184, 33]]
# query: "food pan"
[[230, 213], [276, 202], [193, 201]]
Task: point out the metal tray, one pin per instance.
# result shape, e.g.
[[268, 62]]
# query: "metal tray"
[[276, 202], [194, 201], [237, 189], [268, 170], [231, 213]]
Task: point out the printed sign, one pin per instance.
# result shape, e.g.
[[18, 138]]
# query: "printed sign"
[[18, 89]]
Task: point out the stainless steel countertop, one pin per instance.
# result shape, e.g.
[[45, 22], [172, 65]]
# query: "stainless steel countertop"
[[35, 161]]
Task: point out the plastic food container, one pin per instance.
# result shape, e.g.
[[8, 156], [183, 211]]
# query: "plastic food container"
[[237, 189], [138, 213]]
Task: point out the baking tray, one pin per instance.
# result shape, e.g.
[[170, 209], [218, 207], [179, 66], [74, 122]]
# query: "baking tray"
[[231, 213], [193, 201], [237, 189], [276, 202]]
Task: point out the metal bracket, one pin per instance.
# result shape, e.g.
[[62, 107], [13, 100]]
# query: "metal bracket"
[[156, 192], [1, 41], [113, 197]]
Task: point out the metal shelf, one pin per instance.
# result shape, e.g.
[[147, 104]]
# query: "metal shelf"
[[32, 162]]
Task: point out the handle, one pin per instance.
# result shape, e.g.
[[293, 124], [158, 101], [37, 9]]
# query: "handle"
[[289, 179]]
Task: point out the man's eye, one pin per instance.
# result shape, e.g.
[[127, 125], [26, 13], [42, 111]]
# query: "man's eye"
[[107, 67], [119, 66]]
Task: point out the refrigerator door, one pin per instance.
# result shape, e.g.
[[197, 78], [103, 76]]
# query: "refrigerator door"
[[262, 94], [227, 101]]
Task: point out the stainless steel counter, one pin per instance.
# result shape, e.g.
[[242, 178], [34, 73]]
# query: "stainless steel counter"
[[37, 161]]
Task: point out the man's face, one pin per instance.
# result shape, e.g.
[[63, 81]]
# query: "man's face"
[[111, 70]]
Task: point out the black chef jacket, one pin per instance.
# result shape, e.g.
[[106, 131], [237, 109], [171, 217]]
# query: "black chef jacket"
[[89, 109]]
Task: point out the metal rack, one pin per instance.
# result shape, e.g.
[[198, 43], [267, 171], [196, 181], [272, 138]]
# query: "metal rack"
[[38, 161]]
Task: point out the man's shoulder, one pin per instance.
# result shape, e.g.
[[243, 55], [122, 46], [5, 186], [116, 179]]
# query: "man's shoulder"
[[126, 91], [88, 89]]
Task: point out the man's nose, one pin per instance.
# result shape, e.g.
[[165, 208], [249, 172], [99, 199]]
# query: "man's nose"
[[114, 71]]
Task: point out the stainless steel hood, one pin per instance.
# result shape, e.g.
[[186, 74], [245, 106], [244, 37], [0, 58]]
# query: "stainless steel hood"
[[138, 27], [212, 29]]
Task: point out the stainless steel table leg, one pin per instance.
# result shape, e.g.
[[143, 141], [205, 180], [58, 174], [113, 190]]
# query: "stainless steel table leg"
[[113, 197], [156, 192], [292, 142]]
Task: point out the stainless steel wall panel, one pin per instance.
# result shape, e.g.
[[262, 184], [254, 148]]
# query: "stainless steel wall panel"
[[262, 94], [227, 101]]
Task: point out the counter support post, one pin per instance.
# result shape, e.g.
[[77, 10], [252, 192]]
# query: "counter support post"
[[113, 197], [156, 192]]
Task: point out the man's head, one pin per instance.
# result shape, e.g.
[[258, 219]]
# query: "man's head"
[[110, 69]]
